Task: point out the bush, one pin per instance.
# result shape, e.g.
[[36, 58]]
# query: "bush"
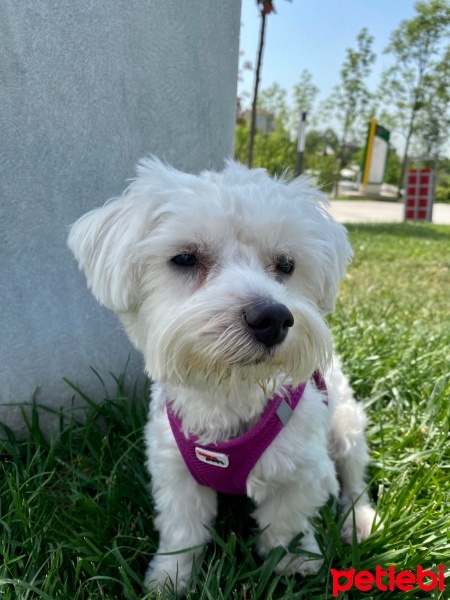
[[443, 194], [325, 171]]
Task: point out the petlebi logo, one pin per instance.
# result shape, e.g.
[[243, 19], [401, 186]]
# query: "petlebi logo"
[[387, 580]]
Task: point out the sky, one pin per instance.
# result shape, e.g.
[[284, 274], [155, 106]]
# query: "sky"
[[313, 35]]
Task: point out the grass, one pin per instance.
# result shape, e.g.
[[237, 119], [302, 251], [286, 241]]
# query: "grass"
[[76, 516]]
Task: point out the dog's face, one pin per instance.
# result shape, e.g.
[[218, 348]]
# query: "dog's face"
[[217, 278]]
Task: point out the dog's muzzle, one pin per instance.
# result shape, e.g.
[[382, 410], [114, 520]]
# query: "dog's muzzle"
[[268, 321]]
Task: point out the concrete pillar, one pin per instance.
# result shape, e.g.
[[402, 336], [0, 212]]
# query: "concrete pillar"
[[86, 89]]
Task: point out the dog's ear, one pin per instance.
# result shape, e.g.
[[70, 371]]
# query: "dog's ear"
[[102, 242], [339, 255], [332, 241], [106, 240]]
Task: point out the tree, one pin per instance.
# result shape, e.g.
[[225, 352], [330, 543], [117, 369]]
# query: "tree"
[[304, 93], [321, 142], [432, 126], [350, 98], [266, 7], [443, 181], [393, 167], [420, 61], [324, 169], [321, 160], [275, 151], [273, 101]]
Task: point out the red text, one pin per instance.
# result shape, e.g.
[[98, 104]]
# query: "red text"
[[387, 580]]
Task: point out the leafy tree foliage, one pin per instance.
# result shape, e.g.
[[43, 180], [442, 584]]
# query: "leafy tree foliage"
[[266, 8], [413, 98], [322, 142], [272, 100], [419, 81], [432, 124], [443, 181], [305, 93], [276, 152], [393, 167], [350, 100]]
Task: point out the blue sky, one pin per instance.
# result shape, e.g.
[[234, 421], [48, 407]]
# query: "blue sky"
[[313, 35]]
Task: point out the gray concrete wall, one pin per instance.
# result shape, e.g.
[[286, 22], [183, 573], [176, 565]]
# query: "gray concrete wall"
[[87, 87]]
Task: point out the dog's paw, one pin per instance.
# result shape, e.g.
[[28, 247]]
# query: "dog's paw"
[[165, 578], [362, 518], [303, 565], [157, 581], [291, 565]]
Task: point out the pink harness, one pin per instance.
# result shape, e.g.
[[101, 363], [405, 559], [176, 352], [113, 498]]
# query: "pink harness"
[[225, 467]]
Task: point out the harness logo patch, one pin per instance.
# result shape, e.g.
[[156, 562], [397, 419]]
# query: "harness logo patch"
[[216, 459]]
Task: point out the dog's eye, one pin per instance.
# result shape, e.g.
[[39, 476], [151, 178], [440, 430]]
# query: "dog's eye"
[[285, 265], [185, 260]]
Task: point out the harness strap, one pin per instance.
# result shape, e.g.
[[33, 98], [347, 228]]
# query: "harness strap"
[[225, 466]]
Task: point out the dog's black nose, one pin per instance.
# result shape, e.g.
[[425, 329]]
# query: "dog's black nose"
[[269, 321]]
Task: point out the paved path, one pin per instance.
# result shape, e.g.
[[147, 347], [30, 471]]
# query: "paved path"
[[377, 211]]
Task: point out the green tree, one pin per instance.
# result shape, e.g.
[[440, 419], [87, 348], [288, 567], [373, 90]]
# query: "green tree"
[[443, 181], [393, 167], [275, 151], [266, 7], [432, 127], [324, 168], [304, 96], [321, 143], [417, 46], [241, 136], [350, 99], [272, 100]]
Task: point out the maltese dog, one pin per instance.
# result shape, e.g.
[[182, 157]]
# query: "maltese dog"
[[223, 281]]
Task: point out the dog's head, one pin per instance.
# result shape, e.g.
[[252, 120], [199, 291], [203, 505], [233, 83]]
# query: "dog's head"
[[225, 275]]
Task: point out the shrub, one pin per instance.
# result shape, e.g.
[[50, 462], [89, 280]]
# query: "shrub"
[[443, 194]]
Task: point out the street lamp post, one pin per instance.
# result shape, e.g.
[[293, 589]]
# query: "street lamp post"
[[301, 144]]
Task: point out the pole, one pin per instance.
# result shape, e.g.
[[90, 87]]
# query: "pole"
[[301, 144], [255, 91], [369, 150]]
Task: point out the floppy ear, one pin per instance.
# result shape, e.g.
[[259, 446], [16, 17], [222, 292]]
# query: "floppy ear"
[[339, 254], [103, 242], [333, 245]]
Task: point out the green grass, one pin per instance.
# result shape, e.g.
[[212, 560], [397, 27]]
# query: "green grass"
[[76, 516]]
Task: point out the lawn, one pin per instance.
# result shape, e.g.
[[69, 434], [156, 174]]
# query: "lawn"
[[76, 518]]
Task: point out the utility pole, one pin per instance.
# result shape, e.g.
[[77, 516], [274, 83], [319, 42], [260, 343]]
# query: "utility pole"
[[301, 144]]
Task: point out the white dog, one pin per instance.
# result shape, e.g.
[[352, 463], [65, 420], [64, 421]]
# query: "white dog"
[[223, 281]]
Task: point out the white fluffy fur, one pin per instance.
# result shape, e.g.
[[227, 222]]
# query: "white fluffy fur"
[[188, 323]]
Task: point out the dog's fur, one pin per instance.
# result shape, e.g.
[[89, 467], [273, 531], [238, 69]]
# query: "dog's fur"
[[190, 324]]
